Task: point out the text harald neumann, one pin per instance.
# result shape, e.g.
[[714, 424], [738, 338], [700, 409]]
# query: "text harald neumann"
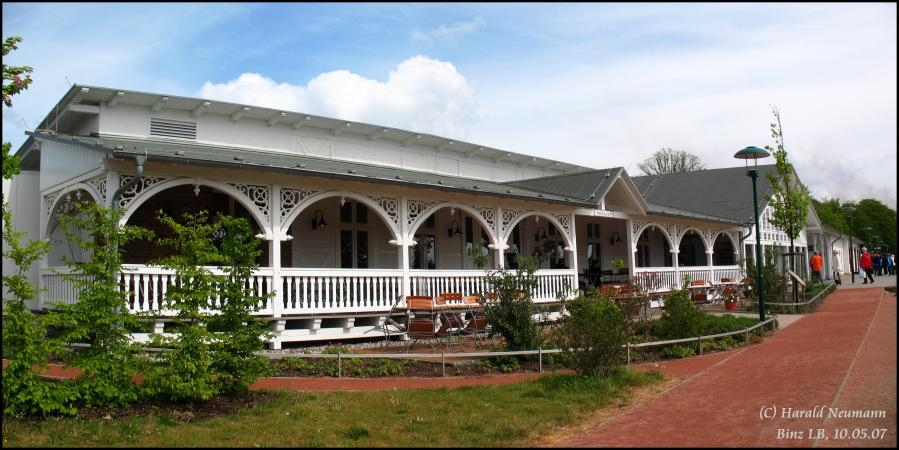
[[821, 411]]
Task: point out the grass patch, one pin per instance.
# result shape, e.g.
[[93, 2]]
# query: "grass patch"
[[475, 416]]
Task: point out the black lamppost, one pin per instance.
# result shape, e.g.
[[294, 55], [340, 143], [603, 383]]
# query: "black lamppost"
[[755, 153], [849, 210]]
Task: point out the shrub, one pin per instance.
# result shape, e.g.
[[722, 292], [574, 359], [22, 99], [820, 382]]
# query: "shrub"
[[681, 318], [679, 351], [592, 336], [511, 315]]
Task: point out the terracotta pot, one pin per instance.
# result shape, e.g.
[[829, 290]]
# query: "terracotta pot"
[[730, 305]]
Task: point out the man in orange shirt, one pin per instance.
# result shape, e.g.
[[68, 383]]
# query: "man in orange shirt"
[[816, 263]]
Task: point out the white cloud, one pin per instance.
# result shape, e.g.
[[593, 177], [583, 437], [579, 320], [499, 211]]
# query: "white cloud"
[[420, 94], [450, 32]]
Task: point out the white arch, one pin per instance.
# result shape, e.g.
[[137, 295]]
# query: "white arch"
[[95, 195], [729, 237], [233, 192], [416, 224], [657, 226], [312, 199], [702, 238], [508, 231]]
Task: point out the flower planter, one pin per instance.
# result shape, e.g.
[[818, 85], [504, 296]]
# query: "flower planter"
[[730, 305]]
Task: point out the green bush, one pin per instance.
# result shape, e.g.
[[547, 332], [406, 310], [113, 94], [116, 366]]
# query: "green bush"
[[511, 315], [681, 319], [714, 324], [592, 335], [679, 351]]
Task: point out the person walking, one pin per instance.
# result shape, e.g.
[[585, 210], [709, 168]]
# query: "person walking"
[[816, 263], [867, 265]]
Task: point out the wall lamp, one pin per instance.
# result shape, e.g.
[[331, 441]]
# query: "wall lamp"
[[454, 229], [615, 239], [541, 234], [318, 220]]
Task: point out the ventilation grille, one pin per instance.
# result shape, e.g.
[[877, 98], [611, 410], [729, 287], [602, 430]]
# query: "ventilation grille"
[[173, 128]]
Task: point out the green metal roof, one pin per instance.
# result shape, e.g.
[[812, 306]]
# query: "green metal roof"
[[725, 194]]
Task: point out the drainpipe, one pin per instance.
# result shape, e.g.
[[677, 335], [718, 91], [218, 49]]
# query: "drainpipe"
[[138, 175], [743, 247]]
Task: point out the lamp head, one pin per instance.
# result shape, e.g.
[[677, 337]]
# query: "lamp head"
[[753, 153]]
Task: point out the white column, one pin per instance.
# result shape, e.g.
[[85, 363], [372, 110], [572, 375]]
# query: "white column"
[[275, 251], [404, 243]]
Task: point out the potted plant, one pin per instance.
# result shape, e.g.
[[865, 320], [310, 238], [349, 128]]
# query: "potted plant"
[[732, 297], [620, 265]]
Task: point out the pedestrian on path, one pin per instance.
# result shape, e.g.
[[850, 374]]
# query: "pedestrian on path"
[[867, 265], [816, 263]]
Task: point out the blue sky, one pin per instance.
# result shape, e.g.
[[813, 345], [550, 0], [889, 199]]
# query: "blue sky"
[[595, 84]]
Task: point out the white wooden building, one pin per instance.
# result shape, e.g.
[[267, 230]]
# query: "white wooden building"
[[355, 216]]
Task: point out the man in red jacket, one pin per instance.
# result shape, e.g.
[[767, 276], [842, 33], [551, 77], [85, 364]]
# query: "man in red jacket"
[[865, 263], [816, 263]]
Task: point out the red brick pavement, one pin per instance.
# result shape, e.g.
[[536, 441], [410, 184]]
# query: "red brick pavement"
[[842, 357]]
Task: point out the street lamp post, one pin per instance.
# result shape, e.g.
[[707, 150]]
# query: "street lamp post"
[[755, 153], [849, 211]]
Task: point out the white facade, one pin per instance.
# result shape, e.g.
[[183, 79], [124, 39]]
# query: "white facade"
[[344, 241]]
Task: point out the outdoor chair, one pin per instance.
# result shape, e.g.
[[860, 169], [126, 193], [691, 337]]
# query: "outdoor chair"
[[421, 327]]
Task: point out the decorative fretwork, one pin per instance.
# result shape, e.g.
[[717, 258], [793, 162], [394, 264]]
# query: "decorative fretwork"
[[128, 196], [509, 215], [636, 228], [99, 184], [708, 234], [257, 194], [489, 215], [415, 208], [565, 221], [51, 200], [391, 206], [291, 198]]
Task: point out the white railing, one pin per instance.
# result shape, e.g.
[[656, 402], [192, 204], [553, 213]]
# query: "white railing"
[[550, 282], [146, 287], [667, 278], [308, 291]]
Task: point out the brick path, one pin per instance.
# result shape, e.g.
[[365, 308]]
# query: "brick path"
[[843, 356]]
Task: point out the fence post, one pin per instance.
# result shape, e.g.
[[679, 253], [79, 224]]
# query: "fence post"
[[628, 345], [339, 364], [442, 363], [540, 360], [699, 344]]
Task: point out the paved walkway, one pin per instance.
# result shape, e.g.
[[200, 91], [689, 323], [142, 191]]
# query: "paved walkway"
[[839, 360]]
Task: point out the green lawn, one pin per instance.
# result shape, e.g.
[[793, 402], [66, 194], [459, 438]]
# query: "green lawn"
[[480, 416]]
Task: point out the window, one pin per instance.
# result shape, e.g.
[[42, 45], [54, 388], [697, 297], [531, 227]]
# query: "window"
[[424, 254], [354, 249]]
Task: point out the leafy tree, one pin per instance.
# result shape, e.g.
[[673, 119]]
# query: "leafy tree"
[[789, 198], [25, 342], [100, 317], [216, 335], [667, 160], [15, 79]]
